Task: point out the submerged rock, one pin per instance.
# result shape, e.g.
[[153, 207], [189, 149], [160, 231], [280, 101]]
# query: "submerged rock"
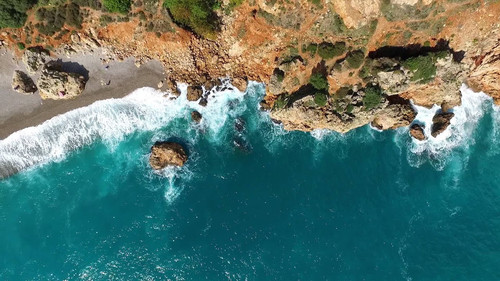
[[440, 122], [165, 154], [417, 131], [196, 116], [57, 84], [22, 83], [34, 59], [194, 93]]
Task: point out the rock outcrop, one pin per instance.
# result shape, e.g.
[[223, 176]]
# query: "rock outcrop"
[[56, 84], [485, 75], [417, 131], [394, 116], [22, 83], [440, 122], [196, 116], [165, 154], [194, 93], [34, 59]]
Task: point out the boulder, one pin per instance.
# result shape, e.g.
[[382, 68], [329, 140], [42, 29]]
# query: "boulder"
[[440, 122], [210, 84], [196, 116], [194, 93], [240, 83], [57, 84], [165, 154], [394, 116], [34, 59], [22, 83], [172, 87], [417, 131]]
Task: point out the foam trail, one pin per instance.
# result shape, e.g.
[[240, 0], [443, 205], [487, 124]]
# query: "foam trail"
[[459, 133], [111, 120]]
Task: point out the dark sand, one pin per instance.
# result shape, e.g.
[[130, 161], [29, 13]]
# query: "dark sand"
[[18, 111]]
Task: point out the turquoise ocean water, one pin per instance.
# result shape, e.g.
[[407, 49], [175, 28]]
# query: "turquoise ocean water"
[[280, 205]]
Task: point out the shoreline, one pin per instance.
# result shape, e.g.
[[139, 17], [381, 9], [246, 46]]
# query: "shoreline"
[[19, 111]]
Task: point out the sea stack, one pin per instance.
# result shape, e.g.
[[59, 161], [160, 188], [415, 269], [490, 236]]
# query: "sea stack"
[[165, 154]]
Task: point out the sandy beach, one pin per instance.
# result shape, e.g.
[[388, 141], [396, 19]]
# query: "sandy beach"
[[19, 111]]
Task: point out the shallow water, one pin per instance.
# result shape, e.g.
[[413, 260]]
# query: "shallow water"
[[367, 205]]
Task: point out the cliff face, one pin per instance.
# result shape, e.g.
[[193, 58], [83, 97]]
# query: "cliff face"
[[327, 64]]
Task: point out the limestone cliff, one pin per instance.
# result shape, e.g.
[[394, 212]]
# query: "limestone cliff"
[[327, 64]]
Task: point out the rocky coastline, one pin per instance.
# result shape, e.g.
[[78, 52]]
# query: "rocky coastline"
[[340, 66]]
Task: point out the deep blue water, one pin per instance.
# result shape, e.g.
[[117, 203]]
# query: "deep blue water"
[[293, 206]]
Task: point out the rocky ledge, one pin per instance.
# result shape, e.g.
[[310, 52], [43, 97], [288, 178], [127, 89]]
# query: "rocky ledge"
[[165, 154]]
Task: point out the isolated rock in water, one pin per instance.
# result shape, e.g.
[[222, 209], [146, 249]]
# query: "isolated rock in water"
[[165, 154], [194, 93], [34, 59], [56, 84], [22, 83], [417, 131], [196, 116], [440, 122]]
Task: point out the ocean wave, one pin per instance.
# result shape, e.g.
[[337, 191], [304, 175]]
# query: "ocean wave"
[[459, 134], [145, 109]]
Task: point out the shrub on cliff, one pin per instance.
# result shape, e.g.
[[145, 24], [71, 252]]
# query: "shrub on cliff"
[[328, 50], [197, 15], [117, 6], [355, 58], [320, 99], [423, 67], [318, 81], [373, 97], [13, 12]]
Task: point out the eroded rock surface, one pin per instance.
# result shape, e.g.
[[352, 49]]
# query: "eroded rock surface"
[[34, 59], [56, 84], [165, 154], [22, 83], [440, 122], [417, 131]]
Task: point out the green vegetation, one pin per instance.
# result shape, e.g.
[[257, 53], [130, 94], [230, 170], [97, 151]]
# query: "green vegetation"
[[328, 50], [281, 102], [21, 46], [395, 12], [53, 19], [423, 67], [198, 15], [318, 81], [311, 49], [13, 12], [320, 98], [355, 58], [373, 97], [117, 6]]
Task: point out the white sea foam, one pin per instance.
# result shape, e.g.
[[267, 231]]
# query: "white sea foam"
[[458, 134], [111, 120]]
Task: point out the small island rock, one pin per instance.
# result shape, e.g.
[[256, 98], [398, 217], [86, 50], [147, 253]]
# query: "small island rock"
[[194, 93], [417, 131], [165, 154], [196, 116], [440, 122]]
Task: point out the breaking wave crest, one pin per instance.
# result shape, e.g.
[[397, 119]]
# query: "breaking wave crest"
[[459, 134], [145, 109]]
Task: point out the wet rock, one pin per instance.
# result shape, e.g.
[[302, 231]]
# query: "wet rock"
[[239, 125], [240, 83], [265, 106], [194, 93], [196, 116], [22, 83], [417, 131], [440, 122], [172, 87], [165, 154], [210, 84], [56, 84], [203, 102], [35, 58]]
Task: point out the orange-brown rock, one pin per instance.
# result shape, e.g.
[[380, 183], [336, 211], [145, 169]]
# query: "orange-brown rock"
[[417, 131], [165, 154]]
